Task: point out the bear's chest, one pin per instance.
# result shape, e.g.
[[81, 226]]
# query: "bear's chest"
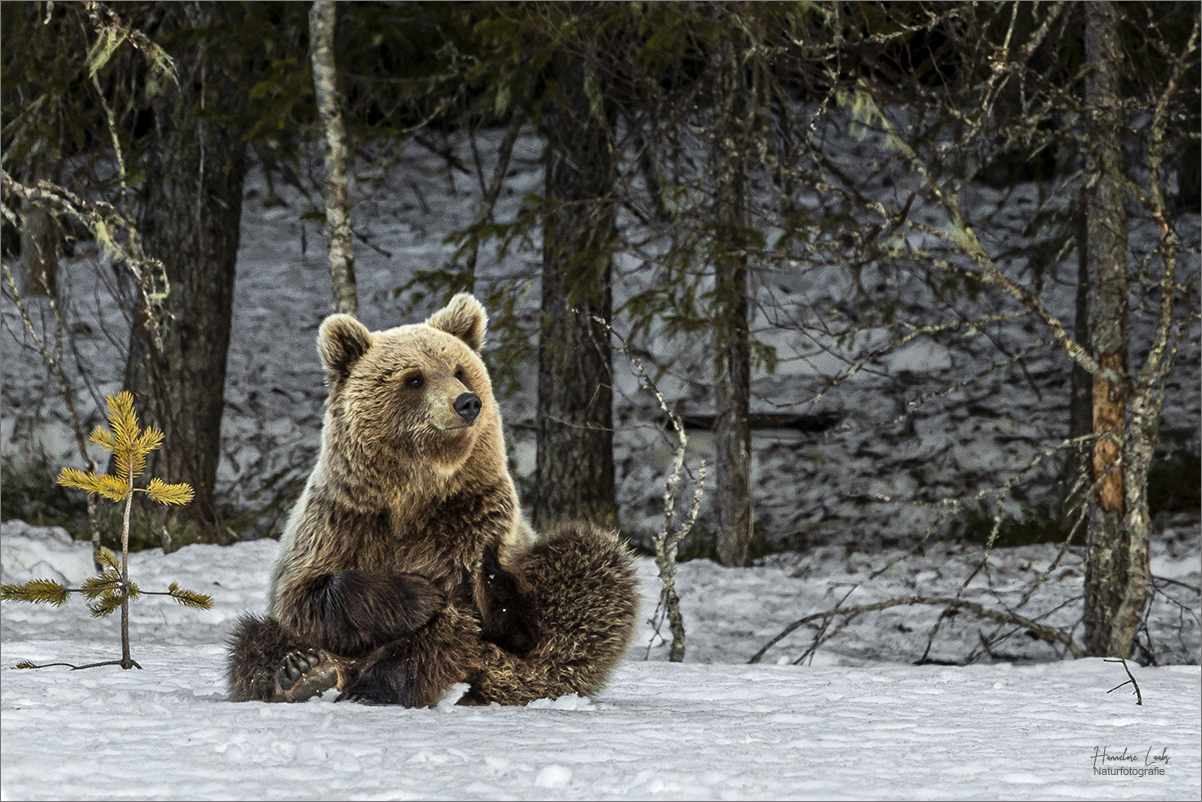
[[441, 542]]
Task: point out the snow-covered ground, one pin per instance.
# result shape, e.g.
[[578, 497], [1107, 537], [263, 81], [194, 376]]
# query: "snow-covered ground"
[[857, 722]]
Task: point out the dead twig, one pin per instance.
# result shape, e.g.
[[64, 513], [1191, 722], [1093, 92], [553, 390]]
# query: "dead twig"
[[1041, 631], [1139, 697], [73, 667], [667, 541]]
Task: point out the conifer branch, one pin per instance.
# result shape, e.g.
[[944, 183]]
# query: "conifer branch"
[[190, 598], [107, 558], [169, 494], [36, 591], [94, 587], [107, 604]]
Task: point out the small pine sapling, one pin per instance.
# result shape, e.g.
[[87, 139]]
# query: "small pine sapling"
[[111, 590]]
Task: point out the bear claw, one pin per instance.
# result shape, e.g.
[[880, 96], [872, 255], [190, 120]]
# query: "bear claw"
[[305, 675]]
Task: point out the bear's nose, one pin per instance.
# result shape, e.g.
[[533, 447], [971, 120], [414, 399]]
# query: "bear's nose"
[[468, 406]]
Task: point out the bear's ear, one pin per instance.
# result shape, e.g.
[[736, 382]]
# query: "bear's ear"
[[464, 317], [341, 342]]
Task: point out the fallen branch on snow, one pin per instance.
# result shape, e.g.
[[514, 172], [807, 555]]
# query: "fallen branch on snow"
[[1042, 631], [1139, 697]]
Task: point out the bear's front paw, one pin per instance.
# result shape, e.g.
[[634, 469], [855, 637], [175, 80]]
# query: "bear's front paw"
[[305, 674]]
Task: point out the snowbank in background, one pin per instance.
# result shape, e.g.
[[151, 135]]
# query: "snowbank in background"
[[851, 726]]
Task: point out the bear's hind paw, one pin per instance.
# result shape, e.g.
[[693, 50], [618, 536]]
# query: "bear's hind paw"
[[305, 674]]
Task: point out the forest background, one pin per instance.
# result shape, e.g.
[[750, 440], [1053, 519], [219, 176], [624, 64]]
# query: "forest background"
[[896, 272]]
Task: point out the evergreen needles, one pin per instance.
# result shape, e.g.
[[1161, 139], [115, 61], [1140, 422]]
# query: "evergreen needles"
[[110, 590]]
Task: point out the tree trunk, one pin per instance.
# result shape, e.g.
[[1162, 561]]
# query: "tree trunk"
[[40, 238], [575, 468], [732, 339], [338, 221], [1106, 564], [1078, 466], [189, 218]]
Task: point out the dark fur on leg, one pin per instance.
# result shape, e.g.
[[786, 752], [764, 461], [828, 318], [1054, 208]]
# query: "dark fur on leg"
[[416, 671], [352, 612], [506, 610], [258, 648], [582, 589]]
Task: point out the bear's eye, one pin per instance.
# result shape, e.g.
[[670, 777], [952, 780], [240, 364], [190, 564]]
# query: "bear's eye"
[[459, 374], [415, 381]]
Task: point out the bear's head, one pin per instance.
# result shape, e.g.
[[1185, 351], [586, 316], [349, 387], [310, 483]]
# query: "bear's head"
[[412, 395]]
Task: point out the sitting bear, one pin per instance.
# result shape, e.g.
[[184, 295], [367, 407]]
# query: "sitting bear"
[[406, 565]]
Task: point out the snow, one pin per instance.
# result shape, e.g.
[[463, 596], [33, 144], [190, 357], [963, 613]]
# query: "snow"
[[855, 723]]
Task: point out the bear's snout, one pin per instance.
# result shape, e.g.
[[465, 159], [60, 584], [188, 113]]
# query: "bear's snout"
[[468, 406]]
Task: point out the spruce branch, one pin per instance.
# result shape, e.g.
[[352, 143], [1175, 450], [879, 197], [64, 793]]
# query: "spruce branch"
[[107, 558], [103, 484], [36, 591], [169, 494], [96, 586], [190, 598], [108, 603]]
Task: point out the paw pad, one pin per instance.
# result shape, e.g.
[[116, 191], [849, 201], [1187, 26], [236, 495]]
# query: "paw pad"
[[305, 674]]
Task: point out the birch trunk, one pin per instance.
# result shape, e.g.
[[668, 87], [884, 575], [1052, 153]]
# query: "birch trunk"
[[338, 221]]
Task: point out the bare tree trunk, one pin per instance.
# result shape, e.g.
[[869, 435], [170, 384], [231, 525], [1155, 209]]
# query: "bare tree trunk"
[[732, 338], [1148, 385], [1106, 564], [338, 220], [1078, 466], [575, 468], [40, 238], [189, 218]]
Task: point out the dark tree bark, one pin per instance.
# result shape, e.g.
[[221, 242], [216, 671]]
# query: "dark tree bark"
[[338, 218], [40, 238], [575, 469], [732, 337], [1106, 564], [1078, 466], [189, 218]]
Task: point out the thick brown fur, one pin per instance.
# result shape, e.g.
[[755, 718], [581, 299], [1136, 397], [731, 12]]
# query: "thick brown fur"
[[406, 561], [582, 588]]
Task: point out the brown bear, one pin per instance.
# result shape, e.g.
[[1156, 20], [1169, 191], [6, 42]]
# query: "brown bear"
[[406, 565]]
